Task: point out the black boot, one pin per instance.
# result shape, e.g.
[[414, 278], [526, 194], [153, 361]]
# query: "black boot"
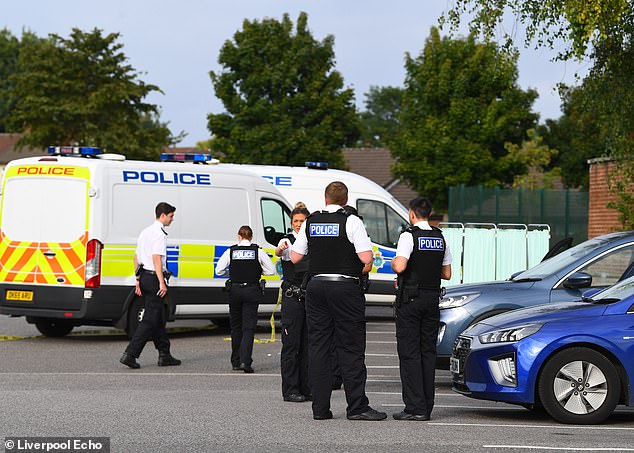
[[166, 359], [129, 360]]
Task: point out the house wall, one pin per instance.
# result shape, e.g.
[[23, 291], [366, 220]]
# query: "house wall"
[[601, 219]]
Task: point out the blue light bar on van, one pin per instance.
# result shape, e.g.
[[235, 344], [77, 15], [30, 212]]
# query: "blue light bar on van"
[[74, 150], [317, 165], [185, 157]]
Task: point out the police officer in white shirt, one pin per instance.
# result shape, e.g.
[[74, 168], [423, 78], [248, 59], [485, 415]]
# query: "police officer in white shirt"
[[422, 260], [245, 263], [150, 261], [339, 247]]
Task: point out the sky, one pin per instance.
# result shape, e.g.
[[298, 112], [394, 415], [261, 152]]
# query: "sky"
[[174, 44]]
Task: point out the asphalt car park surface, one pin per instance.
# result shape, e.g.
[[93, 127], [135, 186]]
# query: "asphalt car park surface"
[[75, 386]]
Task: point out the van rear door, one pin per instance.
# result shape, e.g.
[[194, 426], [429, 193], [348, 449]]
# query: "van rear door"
[[44, 224]]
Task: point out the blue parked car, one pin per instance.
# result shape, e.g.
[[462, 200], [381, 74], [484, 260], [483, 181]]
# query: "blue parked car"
[[576, 359], [596, 263]]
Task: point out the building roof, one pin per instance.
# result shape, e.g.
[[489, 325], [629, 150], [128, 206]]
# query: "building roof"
[[376, 165], [9, 152]]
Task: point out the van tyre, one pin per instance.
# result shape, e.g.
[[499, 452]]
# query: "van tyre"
[[53, 327], [580, 386]]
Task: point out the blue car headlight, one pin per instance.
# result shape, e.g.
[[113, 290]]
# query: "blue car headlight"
[[457, 301], [509, 335]]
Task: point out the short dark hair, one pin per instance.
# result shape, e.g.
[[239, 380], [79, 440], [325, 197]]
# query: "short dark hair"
[[164, 208], [245, 232], [421, 207], [336, 193]]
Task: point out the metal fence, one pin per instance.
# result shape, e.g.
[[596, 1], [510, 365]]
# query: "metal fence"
[[565, 211]]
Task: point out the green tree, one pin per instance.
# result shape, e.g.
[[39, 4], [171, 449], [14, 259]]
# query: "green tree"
[[576, 135], [601, 31], [285, 103], [535, 158], [461, 105], [81, 90], [379, 121]]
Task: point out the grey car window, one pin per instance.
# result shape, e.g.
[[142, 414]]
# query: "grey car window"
[[564, 259], [608, 269], [619, 291]]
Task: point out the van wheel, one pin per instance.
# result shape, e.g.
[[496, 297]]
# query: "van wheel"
[[135, 315], [53, 327], [579, 385]]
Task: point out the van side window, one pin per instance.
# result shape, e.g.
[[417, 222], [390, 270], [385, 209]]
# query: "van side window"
[[276, 219], [384, 225]]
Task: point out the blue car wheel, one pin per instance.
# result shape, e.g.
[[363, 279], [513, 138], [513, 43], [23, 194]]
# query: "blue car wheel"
[[580, 386]]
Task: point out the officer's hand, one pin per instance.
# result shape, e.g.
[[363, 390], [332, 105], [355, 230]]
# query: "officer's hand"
[[284, 245], [162, 290], [137, 289]]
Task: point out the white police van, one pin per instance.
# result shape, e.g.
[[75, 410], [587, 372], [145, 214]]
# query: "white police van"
[[69, 225], [383, 215]]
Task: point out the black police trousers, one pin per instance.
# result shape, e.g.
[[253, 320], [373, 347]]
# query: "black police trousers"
[[294, 356], [152, 326], [336, 312], [417, 324], [243, 316]]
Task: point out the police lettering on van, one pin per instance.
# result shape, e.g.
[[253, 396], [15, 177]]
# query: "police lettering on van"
[[161, 177]]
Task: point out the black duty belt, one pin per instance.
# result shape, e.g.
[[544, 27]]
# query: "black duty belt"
[[243, 284], [336, 278]]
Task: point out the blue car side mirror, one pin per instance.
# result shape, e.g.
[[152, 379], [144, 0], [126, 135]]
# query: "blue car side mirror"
[[578, 280]]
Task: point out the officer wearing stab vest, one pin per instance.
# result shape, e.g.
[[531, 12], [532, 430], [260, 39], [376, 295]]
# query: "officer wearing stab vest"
[[338, 246], [245, 263], [422, 260], [294, 355]]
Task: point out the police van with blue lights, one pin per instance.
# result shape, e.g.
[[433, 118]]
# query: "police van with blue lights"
[[69, 223], [383, 215]]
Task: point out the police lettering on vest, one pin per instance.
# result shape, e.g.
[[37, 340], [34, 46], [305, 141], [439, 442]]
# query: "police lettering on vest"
[[425, 262], [330, 250], [324, 230], [244, 266]]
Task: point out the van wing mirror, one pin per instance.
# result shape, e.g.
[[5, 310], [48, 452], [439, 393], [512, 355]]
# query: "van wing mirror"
[[578, 280]]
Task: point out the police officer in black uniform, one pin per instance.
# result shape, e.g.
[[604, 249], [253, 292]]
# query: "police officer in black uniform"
[[294, 356], [338, 246], [422, 259], [245, 263], [150, 262]]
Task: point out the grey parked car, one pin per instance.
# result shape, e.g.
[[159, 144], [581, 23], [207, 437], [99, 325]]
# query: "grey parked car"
[[596, 263]]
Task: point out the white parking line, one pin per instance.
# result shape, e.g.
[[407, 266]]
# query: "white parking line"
[[392, 367], [572, 427], [381, 342], [381, 355], [382, 332], [538, 447]]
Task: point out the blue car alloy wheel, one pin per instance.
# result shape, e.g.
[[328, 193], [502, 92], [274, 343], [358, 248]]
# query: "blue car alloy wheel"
[[579, 385]]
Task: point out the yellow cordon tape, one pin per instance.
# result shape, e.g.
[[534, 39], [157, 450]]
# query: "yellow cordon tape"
[[10, 338], [272, 321]]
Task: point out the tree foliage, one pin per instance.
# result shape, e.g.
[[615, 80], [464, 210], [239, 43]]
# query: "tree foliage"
[[379, 121], [461, 105], [285, 103], [81, 90], [599, 30], [535, 158]]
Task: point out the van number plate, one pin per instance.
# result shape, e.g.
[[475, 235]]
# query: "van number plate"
[[25, 296], [454, 365]]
